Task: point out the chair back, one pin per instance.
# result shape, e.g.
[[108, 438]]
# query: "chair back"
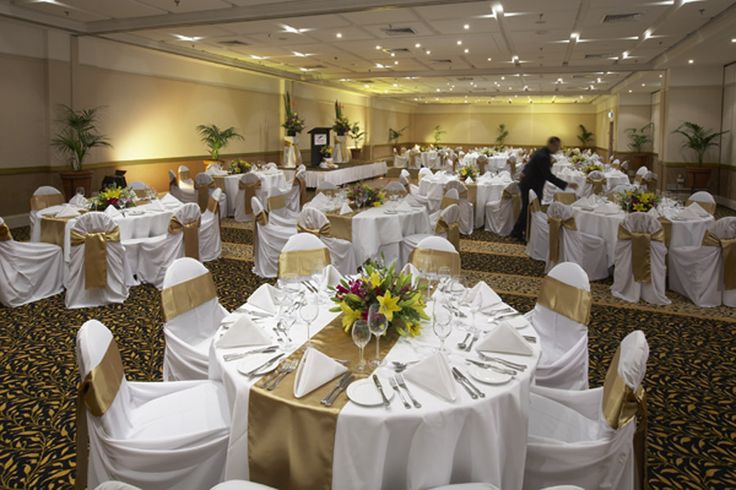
[[704, 199], [186, 220], [249, 184], [596, 180], [203, 182], [641, 229], [5, 234], [448, 223], [303, 255], [46, 196], [722, 234], [452, 196], [405, 178], [184, 177], [96, 231], [259, 211], [559, 217], [314, 221], [271, 166], [434, 253], [213, 201], [424, 172], [300, 180]]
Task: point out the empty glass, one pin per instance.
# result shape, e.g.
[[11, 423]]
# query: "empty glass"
[[361, 336], [441, 320], [309, 312], [377, 323]]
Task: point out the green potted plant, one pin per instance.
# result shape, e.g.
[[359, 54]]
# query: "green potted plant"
[[698, 139], [293, 124], [503, 133], [216, 139], [639, 138], [342, 125], [394, 135], [357, 136], [77, 136], [585, 136], [437, 134]]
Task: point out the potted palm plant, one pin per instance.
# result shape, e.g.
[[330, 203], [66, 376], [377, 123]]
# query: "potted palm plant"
[[394, 135], [437, 134], [503, 133], [357, 136], [216, 139], [698, 139], [78, 135], [639, 140], [585, 137]]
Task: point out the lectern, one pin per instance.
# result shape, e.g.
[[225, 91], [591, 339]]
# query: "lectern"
[[320, 138]]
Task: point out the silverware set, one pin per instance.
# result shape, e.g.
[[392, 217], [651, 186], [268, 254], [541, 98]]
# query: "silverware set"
[[398, 379], [285, 368], [342, 385], [463, 381], [260, 370], [465, 345], [492, 367], [263, 350], [500, 360]]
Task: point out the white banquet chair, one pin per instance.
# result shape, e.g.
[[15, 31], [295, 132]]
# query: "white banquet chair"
[[595, 184], [424, 173], [434, 253], [210, 240], [154, 436], [537, 229], [204, 185], [297, 195], [405, 179], [588, 251], [248, 186], [591, 438], [183, 195], [182, 239], [28, 271], [42, 198], [241, 485], [501, 215], [102, 276], [449, 198], [446, 227], [189, 327], [704, 199], [184, 178], [342, 253], [700, 273], [640, 173], [467, 208], [304, 255], [632, 281], [562, 329], [269, 239]]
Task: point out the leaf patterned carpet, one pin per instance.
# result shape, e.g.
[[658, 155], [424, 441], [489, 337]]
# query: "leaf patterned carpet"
[[691, 376]]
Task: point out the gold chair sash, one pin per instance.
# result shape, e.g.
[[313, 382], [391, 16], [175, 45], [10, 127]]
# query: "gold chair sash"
[[447, 201], [302, 190], [565, 197], [324, 230], [191, 235], [641, 259], [96, 393], [95, 255], [728, 255], [512, 164], [5, 234], [620, 406], [219, 181], [213, 205], [302, 263], [515, 203], [203, 194], [341, 225], [555, 235], [250, 191], [276, 202], [452, 231], [482, 161], [185, 296], [708, 206], [667, 228], [599, 185], [262, 217], [431, 261], [140, 193], [567, 300], [651, 184], [472, 194], [532, 208], [53, 229], [43, 201]]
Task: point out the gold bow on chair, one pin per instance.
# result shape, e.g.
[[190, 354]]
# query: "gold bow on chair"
[[555, 235], [428, 260], [599, 185], [641, 260], [302, 190], [728, 255], [303, 263], [515, 198], [565, 197], [323, 230], [512, 164], [532, 208], [249, 191], [43, 201], [185, 296], [566, 300], [448, 201], [203, 194], [95, 255], [708, 206], [276, 202], [452, 231], [5, 234], [191, 235]]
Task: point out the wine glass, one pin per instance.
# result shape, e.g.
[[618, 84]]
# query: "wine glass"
[[377, 323], [309, 311], [287, 319], [441, 320], [361, 336], [80, 191]]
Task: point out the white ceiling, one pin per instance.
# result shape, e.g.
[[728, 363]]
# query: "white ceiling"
[[449, 49]]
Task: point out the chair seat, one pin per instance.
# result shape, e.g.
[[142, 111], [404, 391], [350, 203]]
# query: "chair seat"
[[553, 421]]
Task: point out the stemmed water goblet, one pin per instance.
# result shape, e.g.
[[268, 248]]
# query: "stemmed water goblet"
[[377, 324], [441, 319], [309, 311], [361, 336]]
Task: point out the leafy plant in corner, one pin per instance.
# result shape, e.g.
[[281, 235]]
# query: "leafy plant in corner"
[[585, 136], [698, 139], [216, 139], [293, 124], [395, 134], [639, 138], [78, 135], [342, 125], [356, 134], [438, 132], [503, 133]]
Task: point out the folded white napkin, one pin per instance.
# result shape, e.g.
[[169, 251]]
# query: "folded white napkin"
[[79, 201], [169, 199], [67, 211], [242, 333], [468, 180], [264, 298], [319, 200], [112, 211], [345, 209], [403, 206], [330, 277], [699, 210], [155, 206], [483, 296], [412, 201], [693, 211], [505, 339], [433, 374], [314, 370]]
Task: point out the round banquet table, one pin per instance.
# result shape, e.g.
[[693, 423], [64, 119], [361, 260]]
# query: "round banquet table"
[[613, 178], [441, 442], [271, 180]]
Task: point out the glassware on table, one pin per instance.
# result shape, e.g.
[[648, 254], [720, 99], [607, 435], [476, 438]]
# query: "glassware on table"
[[80, 191], [309, 311], [287, 319], [441, 320], [361, 336], [377, 324]]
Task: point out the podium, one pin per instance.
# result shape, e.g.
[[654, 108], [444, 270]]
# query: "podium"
[[319, 137]]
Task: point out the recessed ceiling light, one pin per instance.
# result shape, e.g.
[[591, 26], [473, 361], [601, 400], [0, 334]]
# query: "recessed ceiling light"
[[660, 75], [338, 35], [418, 45], [256, 57], [305, 69], [575, 36], [379, 65], [428, 52], [189, 39], [292, 30], [503, 78], [598, 80], [393, 55], [643, 84], [459, 42], [300, 55], [733, 39], [490, 59], [625, 54], [396, 85], [466, 50], [466, 26], [691, 61], [378, 46], [396, 62], [365, 85], [437, 90], [647, 34]]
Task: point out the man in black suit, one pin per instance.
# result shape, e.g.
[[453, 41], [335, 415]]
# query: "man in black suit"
[[534, 175]]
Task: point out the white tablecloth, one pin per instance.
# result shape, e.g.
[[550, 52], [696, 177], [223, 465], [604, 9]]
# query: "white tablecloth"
[[374, 231], [342, 176], [272, 182], [495, 162], [569, 174], [468, 440]]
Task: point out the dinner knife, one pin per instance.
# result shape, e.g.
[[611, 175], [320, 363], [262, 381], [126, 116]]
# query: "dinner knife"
[[328, 399], [483, 365], [512, 365], [377, 382], [263, 366], [464, 378], [240, 355], [344, 383], [466, 387]]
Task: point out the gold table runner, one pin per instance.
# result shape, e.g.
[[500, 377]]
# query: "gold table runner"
[[291, 441]]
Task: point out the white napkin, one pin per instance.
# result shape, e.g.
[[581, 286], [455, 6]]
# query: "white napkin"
[[264, 298], [505, 339], [698, 210], [330, 277], [584, 202], [468, 180], [319, 200], [608, 208], [693, 211], [78, 201], [112, 211], [412, 201], [346, 209], [314, 370], [404, 206], [654, 212], [483, 296], [170, 200], [242, 333], [67, 211], [155, 206], [433, 374]]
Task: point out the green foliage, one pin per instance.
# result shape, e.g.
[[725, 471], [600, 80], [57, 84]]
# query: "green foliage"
[[78, 135], [342, 125], [395, 134], [697, 138], [293, 124], [215, 138], [503, 133], [639, 138], [585, 136], [356, 134], [438, 132]]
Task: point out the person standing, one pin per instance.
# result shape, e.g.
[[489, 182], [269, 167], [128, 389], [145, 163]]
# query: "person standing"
[[535, 174]]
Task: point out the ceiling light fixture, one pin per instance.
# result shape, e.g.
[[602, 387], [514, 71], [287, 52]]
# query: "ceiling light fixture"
[[459, 42], [428, 52], [378, 46], [630, 90], [256, 57], [466, 51], [189, 39], [379, 65], [292, 30], [690, 62], [466, 26], [625, 54], [418, 45], [393, 55], [300, 55], [490, 59], [497, 9], [396, 62], [338, 35], [643, 84], [647, 34], [575, 36]]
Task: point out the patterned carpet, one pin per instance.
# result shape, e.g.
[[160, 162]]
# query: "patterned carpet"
[[691, 377]]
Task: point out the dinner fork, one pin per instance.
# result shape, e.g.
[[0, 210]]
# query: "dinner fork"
[[286, 368], [395, 386]]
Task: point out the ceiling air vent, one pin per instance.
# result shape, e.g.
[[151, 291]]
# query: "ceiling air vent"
[[398, 31], [596, 56], [617, 18], [233, 42], [443, 61], [464, 79], [397, 50]]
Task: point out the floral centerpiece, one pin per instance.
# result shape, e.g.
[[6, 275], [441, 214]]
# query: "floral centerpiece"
[[399, 301], [466, 171], [293, 123], [326, 151], [488, 151], [638, 201], [592, 167], [239, 166], [362, 195], [578, 158], [342, 124], [115, 196]]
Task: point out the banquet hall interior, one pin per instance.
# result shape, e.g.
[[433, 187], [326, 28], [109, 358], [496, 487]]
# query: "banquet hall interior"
[[367, 244]]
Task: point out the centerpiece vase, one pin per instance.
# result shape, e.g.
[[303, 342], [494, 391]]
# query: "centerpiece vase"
[[292, 157], [341, 153]]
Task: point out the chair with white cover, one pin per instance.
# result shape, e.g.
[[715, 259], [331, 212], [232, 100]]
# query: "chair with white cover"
[[591, 438], [501, 215], [446, 227], [706, 273], [595, 184], [42, 198], [303, 256], [649, 182], [28, 271], [269, 239], [184, 178], [210, 240], [639, 260], [568, 244], [327, 188], [182, 239], [704, 199], [394, 188], [297, 195], [151, 435], [450, 197], [97, 272], [342, 253], [241, 485], [537, 229], [279, 211], [560, 317], [405, 178], [433, 254], [640, 173], [204, 186], [467, 208], [183, 195], [423, 173], [190, 326], [248, 187]]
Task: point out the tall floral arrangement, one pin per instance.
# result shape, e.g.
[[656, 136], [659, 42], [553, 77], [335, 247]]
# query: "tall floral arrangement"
[[342, 125], [399, 301], [115, 196], [638, 201], [362, 195], [293, 123]]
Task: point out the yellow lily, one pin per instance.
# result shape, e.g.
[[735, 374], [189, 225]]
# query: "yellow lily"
[[389, 305], [375, 279], [349, 316]]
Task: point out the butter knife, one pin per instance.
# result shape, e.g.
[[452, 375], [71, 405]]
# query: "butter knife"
[[377, 382], [263, 366]]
